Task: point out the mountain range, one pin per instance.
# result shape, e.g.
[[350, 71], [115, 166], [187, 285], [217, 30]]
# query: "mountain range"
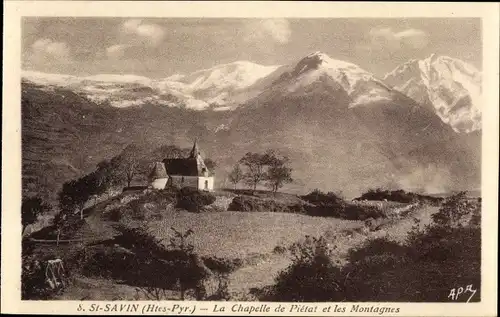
[[448, 86], [418, 127]]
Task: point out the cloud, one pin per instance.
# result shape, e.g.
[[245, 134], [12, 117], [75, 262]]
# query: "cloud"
[[387, 38], [116, 51], [49, 49], [152, 33], [276, 29]]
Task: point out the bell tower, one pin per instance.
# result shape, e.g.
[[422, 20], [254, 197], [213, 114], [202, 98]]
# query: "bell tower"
[[194, 151]]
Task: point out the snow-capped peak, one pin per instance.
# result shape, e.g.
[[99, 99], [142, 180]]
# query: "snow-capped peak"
[[217, 85], [360, 86], [48, 78], [203, 89], [314, 60], [451, 87], [236, 75]]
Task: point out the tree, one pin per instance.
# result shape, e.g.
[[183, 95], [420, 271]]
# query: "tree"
[[75, 193], [278, 172], [59, 222], [268, 166], [210, 164], [106, 177], [129, 163], [277, 176], [236, 175], [255, 164], [31, 208]]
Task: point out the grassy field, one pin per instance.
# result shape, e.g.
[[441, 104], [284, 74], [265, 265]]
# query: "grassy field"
[[249, 236], [242, 234]]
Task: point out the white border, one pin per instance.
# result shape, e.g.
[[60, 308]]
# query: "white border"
[[11, 145]]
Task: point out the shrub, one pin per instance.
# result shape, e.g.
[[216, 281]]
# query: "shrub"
[[142, 207], [191, 199], [398, 196], [383, 270], [375, 247], [279, 249], [356, 212], [297, 209], [325, 205], [108, 262], [445, 254], [331, 205], [115, 215], [445, 244], [245, 203], [143, 261], [138, 210], [319, 198], [222, 266], [457, 210], [344, 211], [32, 208], [311, 277], [242, 203]]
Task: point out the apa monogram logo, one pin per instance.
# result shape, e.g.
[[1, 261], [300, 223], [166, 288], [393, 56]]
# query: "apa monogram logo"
[[457, 293]]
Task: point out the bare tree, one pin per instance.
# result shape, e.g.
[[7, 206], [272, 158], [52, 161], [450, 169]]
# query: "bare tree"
[[255, 164], [129, 163], [269, 167], [236, 175], [277, 176]]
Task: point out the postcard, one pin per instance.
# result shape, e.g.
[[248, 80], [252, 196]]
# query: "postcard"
[[250, 158]]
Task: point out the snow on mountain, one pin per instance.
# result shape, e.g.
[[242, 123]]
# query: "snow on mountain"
[[67, 80], [451, 87], [235, 76], [216, 85], [49, 79], [318, 72], [208, 88]]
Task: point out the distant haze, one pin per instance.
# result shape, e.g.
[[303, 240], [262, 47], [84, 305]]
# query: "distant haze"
[[158, 48]]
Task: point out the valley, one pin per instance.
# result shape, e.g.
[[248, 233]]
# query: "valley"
[[322, 113], [341, 132]]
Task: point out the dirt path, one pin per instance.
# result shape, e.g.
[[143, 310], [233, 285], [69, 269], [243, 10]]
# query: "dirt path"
[[399, 231]]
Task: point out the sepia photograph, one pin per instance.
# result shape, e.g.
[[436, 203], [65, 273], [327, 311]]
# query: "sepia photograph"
[[251, 159]]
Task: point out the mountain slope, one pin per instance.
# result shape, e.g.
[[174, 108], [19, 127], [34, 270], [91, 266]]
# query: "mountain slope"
[[216, 85], [449, 86], [199, 90], [65, 134], [345, 129], [319, 72]]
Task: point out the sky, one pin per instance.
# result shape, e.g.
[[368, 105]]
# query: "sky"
[[158, 48]]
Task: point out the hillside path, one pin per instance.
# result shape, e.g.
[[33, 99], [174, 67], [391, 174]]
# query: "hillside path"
[[264, 272]]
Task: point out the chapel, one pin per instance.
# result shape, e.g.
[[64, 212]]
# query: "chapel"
[[183, 172]]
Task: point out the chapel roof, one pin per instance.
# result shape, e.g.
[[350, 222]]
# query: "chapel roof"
[[158, 171], [193, 165], [183, 166]]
